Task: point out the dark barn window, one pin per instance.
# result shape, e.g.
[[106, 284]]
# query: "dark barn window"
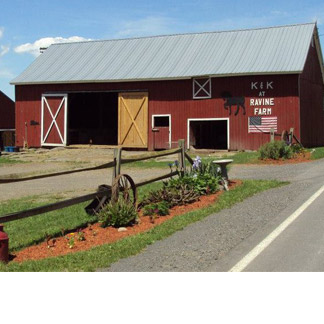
[[209, 134], [161, 121]]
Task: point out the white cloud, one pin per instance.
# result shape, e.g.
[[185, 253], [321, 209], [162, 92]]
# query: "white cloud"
[[33, 48], [4, 50], [279, 13], [145, 27], [1, 31]]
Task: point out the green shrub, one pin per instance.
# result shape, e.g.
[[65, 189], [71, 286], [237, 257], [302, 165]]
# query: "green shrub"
[[206, 183], [149, 209], [275, 150], [161, 209], [298, 149], [201, 180], [120, 213], [201, 183]]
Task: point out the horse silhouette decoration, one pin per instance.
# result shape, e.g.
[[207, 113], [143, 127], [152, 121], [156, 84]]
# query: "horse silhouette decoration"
[[234, 101]]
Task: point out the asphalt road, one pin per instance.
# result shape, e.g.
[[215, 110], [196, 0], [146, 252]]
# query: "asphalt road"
[[293, 242], [300, 247], [221, 241], [294, 239]]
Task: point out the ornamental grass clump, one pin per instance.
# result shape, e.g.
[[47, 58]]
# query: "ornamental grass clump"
[[174, 196], [118, 214], [275, 150], [202, 179]]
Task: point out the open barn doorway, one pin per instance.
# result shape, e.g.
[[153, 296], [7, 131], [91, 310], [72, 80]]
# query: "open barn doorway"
[[93, 118], [208, 134]]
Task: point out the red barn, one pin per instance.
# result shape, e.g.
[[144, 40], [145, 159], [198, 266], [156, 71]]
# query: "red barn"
[[218, 90], [7, 120]]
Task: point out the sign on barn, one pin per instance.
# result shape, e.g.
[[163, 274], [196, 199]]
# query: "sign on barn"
[[262, 106]]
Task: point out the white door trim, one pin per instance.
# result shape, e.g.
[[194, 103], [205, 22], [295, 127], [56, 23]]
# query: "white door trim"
[[170, 128], [207, 119], [54, 123]]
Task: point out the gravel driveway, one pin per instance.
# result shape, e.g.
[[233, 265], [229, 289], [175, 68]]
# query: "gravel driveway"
[[59, 159], [72, 185]]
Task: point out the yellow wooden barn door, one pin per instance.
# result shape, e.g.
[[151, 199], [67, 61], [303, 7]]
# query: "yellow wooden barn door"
[[133, 119]]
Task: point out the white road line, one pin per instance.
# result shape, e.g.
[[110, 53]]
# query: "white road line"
[[241, 265]]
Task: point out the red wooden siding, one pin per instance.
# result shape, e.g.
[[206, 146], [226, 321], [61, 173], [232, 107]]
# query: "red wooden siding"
[[7, 112], [175, 98], [161, 138], [311, 102]]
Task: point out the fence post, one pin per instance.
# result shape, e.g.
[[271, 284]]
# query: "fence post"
[[114, 169], [291, 135], [272, 135], [117, 160], [181, 157]]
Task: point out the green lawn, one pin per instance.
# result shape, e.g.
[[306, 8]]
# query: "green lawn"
[[6, 160], [238, 158], [32, 230], [148, 164], [318, 153], [25, 232]]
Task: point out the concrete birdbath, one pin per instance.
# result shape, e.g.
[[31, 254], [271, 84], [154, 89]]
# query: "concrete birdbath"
[[223, 165]]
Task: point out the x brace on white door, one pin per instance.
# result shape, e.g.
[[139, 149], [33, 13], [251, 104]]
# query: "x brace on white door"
[[63, 104]]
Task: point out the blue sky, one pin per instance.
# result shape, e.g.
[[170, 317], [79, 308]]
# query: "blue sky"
[[26, 25]]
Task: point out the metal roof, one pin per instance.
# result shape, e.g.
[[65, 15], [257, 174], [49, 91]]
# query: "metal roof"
[[275, 50]]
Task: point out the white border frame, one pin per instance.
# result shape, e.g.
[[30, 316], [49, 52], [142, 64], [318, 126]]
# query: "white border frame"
[[170, 126], [201, 87], [65, 97], [207, 119]]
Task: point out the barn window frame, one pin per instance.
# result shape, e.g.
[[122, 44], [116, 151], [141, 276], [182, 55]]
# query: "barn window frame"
[[208, 119], [200, 86]]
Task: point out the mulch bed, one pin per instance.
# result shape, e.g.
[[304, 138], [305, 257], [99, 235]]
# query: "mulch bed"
[[298, 158], [95, 235]]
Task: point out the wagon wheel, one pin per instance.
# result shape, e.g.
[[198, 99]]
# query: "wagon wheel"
[[124, 186]]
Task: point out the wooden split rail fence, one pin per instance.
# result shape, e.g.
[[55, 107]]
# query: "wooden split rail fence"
[[105, 190]]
